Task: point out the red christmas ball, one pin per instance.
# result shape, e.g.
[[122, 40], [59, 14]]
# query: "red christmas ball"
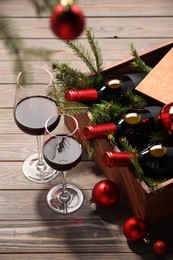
[[160, 247], [166, 118], [67, 22], [134, 229], [106, 193]]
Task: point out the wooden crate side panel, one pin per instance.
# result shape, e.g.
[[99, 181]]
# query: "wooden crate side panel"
[[159, 205], [133, 193]]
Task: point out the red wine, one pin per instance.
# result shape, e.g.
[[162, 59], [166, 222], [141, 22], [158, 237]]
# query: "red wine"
[[62, 153], [32, 113]]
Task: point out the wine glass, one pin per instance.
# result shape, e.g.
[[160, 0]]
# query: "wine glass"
[[62, 151], [32, 108]]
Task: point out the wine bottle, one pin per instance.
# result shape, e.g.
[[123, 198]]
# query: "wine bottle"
[[136, 125], [114, 89], [156, 160]]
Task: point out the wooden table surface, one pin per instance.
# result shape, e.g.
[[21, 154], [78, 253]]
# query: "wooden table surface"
[[28, 228]]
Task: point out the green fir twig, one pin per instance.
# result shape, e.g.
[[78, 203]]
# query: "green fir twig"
[[42, 6], [15, 46], [137, 63], [107, 111], [85, 55], [95, 49]]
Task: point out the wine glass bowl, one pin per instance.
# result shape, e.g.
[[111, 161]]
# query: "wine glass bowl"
[[62, 151], [32, 108]]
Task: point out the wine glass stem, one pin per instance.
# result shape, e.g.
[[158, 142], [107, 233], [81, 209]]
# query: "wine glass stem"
[[40, 164], [64, 189], [65, 195]]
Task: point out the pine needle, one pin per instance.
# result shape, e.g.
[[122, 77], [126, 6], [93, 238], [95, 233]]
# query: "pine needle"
[[95, 49], [81, 52], [138, 63]]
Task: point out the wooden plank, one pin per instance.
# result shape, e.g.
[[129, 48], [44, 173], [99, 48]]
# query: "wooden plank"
[[86, 174], [28, 205], [77, 235], [7, 123], [114, 27], [86, 256], [98, 8], [7, 96], [112, 49], [18, 146]]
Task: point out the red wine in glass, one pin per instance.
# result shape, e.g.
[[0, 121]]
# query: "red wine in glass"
[[32, 108], [62, 151], [31, 113]]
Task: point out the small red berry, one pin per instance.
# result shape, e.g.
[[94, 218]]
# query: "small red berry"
[[160, 247]]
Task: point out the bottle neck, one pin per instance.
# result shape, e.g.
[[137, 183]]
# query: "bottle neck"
[[117, 159], [113, 89], [82, 96], [99, 131]]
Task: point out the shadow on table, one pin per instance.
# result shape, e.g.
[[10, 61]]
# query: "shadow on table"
[[89, 231]]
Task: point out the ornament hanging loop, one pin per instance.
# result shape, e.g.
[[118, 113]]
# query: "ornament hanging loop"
[[147, 239], [66, 4]]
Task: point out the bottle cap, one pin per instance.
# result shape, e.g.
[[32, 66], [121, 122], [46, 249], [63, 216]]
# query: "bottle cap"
[[113, 82], [158, 150], [98, 131], [132, 118], [117, 159], [83, 95]]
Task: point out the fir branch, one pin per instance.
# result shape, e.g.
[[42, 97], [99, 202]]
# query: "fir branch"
[[90, 147], [138, 170], [71, 77], [157, 136], [72, 108], [15, 45], [126, 146], [138, 63], [80, 51], [11, 40], [42, 6], [107, 111], [136, 101], [33, 53], [95, 49]]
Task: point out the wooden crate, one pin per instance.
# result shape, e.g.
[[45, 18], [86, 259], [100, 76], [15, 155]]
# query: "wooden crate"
[[154, 207]]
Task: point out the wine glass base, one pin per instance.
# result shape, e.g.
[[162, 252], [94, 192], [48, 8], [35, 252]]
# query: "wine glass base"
[[55, 204], [32, 173]]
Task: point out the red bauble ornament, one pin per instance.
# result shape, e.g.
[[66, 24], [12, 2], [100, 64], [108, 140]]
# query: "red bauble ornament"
[[106, 193], [160, 247], [166, 118], [134, 229], [67, 22]]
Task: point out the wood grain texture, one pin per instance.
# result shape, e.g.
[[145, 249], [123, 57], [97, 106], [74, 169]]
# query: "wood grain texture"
[[28, 228], [158, 84], [99, 8]]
